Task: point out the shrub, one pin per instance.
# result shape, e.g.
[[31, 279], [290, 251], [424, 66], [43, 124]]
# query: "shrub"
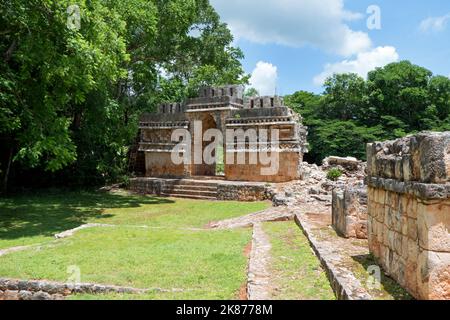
[[334, 174]]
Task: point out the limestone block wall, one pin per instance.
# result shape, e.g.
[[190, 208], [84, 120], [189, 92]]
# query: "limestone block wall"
[[287, 168], [160, 164], [243, 192], [284, 143], [349, 212], [409, 211]]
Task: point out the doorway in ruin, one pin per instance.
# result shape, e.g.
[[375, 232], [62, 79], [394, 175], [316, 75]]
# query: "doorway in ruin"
[[205, 169]]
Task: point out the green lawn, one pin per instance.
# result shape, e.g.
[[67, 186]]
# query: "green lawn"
[[175, 253], [207, 264], [35, 218], [297, 271]]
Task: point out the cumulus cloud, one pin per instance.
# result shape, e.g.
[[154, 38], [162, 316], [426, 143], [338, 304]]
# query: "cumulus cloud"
[[264, 78], [362, 64], [434, 24], [295, 23]]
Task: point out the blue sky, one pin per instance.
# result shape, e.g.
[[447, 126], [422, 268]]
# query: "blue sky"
[[292, 45]]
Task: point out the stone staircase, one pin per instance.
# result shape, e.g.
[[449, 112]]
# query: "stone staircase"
[[193, 189]]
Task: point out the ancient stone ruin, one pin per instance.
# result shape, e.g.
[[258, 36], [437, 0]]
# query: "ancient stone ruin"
[[409, 211], [403, 208], [349, 211], [250, 128]]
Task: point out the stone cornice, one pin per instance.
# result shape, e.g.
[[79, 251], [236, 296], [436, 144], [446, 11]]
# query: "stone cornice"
[[425, 191]]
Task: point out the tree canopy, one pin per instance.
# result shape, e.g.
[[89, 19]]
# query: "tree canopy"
[[396, 100], [70, 97]]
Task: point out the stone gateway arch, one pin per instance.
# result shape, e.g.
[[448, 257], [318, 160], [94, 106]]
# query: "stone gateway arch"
[[247, 126]]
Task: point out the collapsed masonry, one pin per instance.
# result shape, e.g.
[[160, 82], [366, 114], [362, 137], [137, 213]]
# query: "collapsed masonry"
[[349, 199], [409, 211], [224, 108]]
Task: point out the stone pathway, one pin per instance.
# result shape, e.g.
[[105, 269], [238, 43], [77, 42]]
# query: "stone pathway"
[[335, 254], [258, 274], [258, 286], [346, 261], [247, 221], [71, 232], [15, 249]]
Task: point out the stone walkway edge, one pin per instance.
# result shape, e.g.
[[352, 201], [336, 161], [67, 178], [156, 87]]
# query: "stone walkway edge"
[[51, 290], [339, 284]]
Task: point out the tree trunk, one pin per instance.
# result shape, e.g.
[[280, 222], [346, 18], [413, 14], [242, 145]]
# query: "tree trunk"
[[8, 168]]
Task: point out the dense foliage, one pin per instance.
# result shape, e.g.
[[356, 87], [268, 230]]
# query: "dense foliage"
[[394, 101], [70, 97]]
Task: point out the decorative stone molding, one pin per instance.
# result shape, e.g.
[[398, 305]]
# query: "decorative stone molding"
[[223, 108]]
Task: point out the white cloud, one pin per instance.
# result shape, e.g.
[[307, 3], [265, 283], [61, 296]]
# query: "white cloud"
[[434, 24], [295, 23], [362, 64], [264, 78]]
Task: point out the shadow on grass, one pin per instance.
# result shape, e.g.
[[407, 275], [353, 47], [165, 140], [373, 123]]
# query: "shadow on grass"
[[389, 284], [48, 212]]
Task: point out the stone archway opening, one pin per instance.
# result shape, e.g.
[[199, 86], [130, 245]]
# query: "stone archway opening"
[[205, 169]]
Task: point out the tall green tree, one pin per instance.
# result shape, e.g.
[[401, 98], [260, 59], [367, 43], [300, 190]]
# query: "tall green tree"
[[70, 97], [396, 100], [345, 97]]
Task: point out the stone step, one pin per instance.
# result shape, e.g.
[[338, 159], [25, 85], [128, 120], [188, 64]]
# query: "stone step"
[[188, 196], [186, 182], [190, 187], [190, 192]]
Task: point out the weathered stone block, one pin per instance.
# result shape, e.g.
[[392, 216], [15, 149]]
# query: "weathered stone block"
[[433, 275], [350, 212], [412, 229], [434, 151], [433, 226], [410, 194]]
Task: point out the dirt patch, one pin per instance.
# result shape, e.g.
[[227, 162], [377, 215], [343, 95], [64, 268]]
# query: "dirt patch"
[[243, 292], [248, 249], [319, 219]]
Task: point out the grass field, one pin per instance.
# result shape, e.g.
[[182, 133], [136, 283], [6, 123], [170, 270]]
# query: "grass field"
[[152, 243], [36, 218], [207, 264], [297, 271], [204, 264]]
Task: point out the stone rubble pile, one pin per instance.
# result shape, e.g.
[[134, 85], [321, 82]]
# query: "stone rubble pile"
[[314, 191]]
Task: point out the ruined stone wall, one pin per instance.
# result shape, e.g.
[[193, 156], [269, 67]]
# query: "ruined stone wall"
[[146, 186], [13, 289], [286, 151], [287, 168], [409, 211], [226, 190], [243, 192], [349, 212], [156, 144], [223, 108], [160, 164]]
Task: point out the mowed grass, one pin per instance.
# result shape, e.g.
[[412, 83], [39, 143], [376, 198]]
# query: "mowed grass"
[[154, 243], [205, 264], [297, 271], [35, 218]]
